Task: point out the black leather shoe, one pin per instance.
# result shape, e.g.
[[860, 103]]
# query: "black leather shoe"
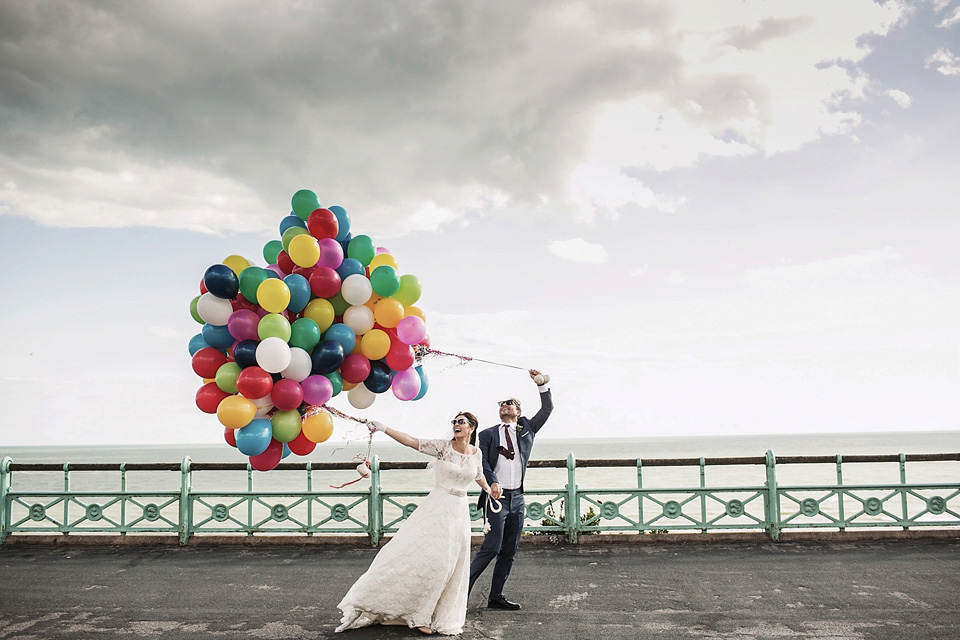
[[502, 603]]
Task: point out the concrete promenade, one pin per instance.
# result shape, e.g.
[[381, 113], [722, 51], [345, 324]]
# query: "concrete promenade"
[[835, 587]]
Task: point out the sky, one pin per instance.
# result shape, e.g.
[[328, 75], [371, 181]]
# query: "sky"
[[702, 218]]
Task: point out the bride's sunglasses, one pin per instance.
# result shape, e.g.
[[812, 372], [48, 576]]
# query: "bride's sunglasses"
[[457, 421]]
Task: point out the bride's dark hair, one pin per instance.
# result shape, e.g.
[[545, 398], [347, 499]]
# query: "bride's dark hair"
[[472, 419]]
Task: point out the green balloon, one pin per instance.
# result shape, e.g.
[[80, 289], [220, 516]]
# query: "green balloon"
[[226, 377], [361, 248], [289, 235], [339, 304], [271, 250], [304, 333], [336, 380], [250, 279], [409, 291], [304, 202], [286, 425], [385, 280], [274, 325], [194, 312]]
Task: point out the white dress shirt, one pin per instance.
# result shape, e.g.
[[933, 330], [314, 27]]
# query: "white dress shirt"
[[509, 472]]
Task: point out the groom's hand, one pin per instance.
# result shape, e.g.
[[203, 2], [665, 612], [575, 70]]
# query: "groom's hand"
[[495, 491]]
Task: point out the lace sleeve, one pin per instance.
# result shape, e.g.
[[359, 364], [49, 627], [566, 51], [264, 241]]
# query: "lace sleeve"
[[479, 460], [433, 447]]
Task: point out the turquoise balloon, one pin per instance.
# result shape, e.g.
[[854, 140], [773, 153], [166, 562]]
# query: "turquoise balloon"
[[361, 248], [343, 220], [299, 292], [291, 221], [305, 334], [343, 334], [271, 250], [196, 343], [253, 439], [423, 382], [385, 280], [250, 279], [336, 380], [304, 202]]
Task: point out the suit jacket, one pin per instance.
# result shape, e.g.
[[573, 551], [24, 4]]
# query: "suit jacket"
[[488, 441]]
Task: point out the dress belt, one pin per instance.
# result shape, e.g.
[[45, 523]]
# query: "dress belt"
[[460, 493]]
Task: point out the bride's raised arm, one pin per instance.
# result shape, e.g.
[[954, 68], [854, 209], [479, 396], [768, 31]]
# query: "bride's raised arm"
[[401, 437]]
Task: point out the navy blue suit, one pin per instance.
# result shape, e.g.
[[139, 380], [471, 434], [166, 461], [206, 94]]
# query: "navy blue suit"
[[502, 540]]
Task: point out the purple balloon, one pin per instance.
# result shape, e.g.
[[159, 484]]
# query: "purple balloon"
[[242, 324], [317, 390], [331, 253], [411, 330], [406, 384]]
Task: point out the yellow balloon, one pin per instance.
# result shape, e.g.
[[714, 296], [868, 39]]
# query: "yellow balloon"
[[356, 346], [304, 250], [414, 311], [375, 344], [236, 411], [382, 259], [320, 311], [273, 295], [388, 312], [317, 427], [237, 263]]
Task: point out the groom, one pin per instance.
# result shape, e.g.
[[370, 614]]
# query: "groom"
[[506, 450]]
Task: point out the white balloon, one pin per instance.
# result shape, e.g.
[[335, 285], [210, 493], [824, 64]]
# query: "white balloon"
[[214, 310], [356, 289], [359, 317], [361, 397], [300, 365], [273, 355], [264, 405]]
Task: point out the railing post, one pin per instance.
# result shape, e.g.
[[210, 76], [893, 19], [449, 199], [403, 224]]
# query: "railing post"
[[772, 503], [375, 517], [903, 492], [4, 489], [572, 504], [186, 486]]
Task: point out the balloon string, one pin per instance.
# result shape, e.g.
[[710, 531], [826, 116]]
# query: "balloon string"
[[365, 460], [421, 351]]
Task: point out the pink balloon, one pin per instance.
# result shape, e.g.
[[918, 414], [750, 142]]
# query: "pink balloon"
[[317, 390], [411, 330], [270, 458], [382, 250], [331, 253], [276, 269], [406, 384], [287, 394], [242, 324]]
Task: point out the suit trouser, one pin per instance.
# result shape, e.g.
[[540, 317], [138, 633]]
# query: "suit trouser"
[[501, 542]]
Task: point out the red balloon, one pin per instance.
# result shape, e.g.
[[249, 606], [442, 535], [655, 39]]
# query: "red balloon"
[[209, 397], [301, 445], [324, 282], [270, 458], [426, 341], [323, 223], [254, 382], [355, 368], [203, 287], [285, 262], [286, 394], [206, 361], [400, 356], [304, 271], [230, 435]]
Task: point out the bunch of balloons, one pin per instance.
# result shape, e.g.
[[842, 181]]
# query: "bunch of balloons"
[[329, 313]]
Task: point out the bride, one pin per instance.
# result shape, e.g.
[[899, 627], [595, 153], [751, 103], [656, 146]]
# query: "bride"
[[420, 577]]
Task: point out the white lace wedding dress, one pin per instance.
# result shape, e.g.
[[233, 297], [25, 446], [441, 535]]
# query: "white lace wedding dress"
[[421, 575]]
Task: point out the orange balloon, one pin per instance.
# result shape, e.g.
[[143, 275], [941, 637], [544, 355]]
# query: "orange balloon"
[[349, 385], [414, 311], [317, 427], [375, 344], [236, 411], [373, 300], [388, 312]]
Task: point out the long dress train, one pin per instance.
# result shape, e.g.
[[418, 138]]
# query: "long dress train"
[[420, 577]]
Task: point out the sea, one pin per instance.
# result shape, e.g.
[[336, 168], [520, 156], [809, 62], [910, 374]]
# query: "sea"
[[812, 444]]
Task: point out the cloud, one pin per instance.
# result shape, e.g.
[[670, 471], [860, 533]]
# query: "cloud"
[[944, 61], [209, 116], [951, 19], [578, 250], [899, 97], [829, 271]]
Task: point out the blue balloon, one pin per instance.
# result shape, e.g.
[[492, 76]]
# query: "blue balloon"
[[423, 381], [345, 242], [217, 336], [221, 281], [299, 292], [291, 221], [379, 378], [245, 353], [349, 267], [286, 451], [196, 343], [253, 439], [342, 334], [343, 220], [273, 274], [327, 357]]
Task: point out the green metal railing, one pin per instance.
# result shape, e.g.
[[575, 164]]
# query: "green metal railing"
[[770, 504]]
